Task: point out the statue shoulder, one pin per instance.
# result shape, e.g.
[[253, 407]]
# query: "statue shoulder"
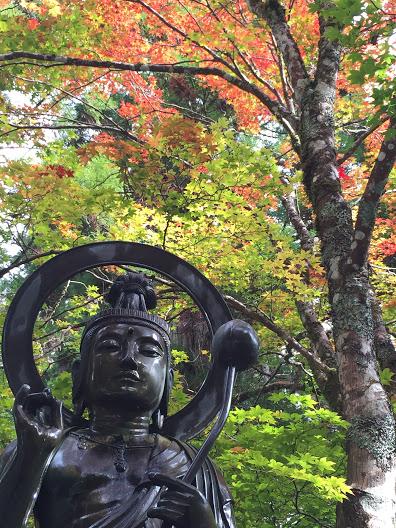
[[169, 457]]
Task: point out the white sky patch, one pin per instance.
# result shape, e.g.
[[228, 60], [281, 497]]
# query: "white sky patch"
[[14, 151]]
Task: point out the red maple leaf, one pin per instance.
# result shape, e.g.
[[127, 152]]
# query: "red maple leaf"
[[33, 23]]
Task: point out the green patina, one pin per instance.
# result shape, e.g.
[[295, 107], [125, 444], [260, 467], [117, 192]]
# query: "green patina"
[[352, 310], [367, 213], [386, 351], [376, 434], [338, 211], [336, 239]]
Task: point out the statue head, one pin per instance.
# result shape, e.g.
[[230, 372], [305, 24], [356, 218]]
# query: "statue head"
[[125, 353]]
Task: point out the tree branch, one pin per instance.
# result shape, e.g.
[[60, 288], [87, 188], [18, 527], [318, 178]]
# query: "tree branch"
[[249, 64], [324, 350], [77, 126], [286, 88], [184, 35], [265, 389], [279, 111], [20, 262], [329, 50], [384, 348], [316, 333], [288, 202], [360, 140], [259, 316], [274, 14], [369, 202], [322, 347], [114, 124], [303, 513]]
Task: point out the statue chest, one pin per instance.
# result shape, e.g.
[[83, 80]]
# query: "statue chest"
[[82, 483]]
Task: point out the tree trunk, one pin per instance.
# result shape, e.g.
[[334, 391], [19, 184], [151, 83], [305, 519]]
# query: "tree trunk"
[[370, 445], [357, 332], [371, 437]]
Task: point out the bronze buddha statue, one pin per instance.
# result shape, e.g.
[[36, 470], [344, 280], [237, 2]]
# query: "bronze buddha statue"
[[117, 470]]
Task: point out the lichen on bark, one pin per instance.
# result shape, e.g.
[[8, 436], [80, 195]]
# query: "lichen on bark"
[[351, 305], [334, 222], [376, 434]]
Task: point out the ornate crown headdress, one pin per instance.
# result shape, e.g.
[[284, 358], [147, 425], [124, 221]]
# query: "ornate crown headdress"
[[130, 297]]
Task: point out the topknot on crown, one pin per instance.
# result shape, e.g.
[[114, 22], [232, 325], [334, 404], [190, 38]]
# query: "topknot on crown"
[[132, 291]]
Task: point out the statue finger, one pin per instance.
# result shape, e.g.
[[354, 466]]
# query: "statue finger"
[[22, 394], [22, 416], [175, 484], [170, 515], [170, 501], [35, 400], [179, 497], [19, 413]]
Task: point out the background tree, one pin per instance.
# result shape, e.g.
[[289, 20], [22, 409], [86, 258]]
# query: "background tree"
[[251, 138]]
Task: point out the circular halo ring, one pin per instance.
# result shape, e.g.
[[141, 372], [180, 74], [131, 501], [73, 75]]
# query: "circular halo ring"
[[17, 344]]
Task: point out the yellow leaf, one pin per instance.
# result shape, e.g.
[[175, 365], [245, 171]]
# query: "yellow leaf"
[[31, 6], [55, 11], [54, 8]]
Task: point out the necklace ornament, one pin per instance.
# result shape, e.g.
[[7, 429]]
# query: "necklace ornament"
[[82, 442], [118, 445], [119, 460]]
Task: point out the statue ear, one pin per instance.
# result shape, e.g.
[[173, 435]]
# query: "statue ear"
[[76, 372], [162, 411], [171, 379], [157, 421], [76, 389]]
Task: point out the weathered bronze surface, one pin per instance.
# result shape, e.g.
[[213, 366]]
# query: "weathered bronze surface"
[[119, 468]]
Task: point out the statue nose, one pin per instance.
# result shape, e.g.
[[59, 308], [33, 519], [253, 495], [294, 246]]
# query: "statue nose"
[[129, 354]]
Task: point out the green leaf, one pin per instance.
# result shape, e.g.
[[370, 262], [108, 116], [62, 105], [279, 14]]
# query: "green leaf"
[[386, 376], [332, 33], [369, 66], [356, 77]]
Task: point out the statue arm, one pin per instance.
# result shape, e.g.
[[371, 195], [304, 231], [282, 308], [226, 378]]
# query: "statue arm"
[[20, 481], [25, 461]]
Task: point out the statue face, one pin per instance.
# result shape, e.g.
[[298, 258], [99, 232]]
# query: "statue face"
[[127, 366]]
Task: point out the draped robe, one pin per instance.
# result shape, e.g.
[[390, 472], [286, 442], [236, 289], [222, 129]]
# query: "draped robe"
[[82, 489]]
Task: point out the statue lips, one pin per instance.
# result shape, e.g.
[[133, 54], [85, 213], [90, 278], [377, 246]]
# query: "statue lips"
[[129, 375]]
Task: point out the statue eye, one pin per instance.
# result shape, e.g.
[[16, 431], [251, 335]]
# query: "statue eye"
[[110, 344], [150, 351]]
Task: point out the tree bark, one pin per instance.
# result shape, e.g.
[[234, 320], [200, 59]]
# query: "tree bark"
[[371, 437], [384, 347]]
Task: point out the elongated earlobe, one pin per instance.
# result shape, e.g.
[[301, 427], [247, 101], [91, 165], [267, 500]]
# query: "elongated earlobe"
[[157, 421], [161, 413], [171, 379], [77, 393]]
